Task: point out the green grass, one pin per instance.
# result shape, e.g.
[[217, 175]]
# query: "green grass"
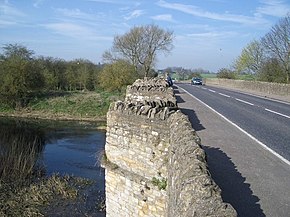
[[208, 75], [5, 108], [75, 105], [246, 77]]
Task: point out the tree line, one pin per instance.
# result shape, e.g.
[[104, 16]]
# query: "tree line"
[[24, 76], [266, 59]]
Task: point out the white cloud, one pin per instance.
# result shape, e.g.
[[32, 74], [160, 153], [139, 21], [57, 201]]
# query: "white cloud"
[[75, 31], [105, 1], [7, 10], [76, 13], [109, 1], [6, 23], [134, 14], [199, 12], [9, 14], [37, 3], [276, 8], [213, 35], [164, 17]]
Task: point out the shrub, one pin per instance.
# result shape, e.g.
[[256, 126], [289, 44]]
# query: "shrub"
[[116, 75], [226, 73]]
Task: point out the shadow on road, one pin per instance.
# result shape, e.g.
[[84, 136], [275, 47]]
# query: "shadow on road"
[[195, 122], [234, 189]]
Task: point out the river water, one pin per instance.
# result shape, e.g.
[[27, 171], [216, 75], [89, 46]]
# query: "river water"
[[71, 148]]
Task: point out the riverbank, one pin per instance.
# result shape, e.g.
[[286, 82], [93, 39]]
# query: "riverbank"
[[50, 168], [73, 106], [51, 116]]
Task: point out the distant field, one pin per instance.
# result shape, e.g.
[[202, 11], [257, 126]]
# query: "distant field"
[[239, 77], [208, 75]]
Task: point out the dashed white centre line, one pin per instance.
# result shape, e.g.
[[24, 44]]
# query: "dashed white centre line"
[[224, 95], [277, 113], [243, 101], [212, 90], [242, 130]]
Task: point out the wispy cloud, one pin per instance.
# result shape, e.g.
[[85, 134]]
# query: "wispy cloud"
[[104, 1], [134, 14], [7, 23], [75, 31], [164, 17], [7, 9], [9, 14], [199, 12], [108, 1], [213, 35], [76, 13], [276, 8], [37, 3], [68, 29]]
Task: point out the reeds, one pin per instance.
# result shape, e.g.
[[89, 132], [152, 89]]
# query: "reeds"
[[24, 190], [28, 200], [19, 152]]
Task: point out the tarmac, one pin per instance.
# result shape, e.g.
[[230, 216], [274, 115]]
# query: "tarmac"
[[252, 180], [283, 98]]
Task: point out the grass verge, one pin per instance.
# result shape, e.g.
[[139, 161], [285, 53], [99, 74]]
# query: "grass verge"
[[67, 106]]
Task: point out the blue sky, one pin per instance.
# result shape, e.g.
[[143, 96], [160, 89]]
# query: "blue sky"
[[209, 34]]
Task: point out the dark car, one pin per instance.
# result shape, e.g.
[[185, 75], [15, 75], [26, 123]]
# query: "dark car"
[[196, 81]]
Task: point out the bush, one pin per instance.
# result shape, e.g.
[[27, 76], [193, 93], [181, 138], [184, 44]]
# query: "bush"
[[116, 75], [226, 73], [272, 71]]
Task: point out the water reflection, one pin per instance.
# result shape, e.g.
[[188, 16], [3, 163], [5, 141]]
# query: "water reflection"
[[73, 150], [55, 147], [63, 147]]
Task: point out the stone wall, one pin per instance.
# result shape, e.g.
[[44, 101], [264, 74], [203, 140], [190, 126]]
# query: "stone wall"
[[191, 190], [262, 87], [154, 163]]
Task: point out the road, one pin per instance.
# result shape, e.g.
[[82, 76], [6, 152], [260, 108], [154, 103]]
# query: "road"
[[266, 120], [247, 141]]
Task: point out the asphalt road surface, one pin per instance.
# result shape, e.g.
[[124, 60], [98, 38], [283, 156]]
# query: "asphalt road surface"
[[266, 120], [247, 141]]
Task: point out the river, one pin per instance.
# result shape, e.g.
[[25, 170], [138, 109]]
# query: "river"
[[71, 148]]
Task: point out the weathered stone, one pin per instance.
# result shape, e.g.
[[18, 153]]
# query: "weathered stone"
[[155, 164]]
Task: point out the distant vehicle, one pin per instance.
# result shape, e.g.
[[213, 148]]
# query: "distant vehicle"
[[196, 81], [169, 81]]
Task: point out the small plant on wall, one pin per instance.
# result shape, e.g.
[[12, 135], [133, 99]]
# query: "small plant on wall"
[[161, 183]]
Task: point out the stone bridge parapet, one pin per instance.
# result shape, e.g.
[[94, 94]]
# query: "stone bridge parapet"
[[154, 162]]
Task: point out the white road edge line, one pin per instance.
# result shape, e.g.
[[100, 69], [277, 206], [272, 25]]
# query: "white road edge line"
[[243, 101], [242, 130], [224, 95], [277, 113]]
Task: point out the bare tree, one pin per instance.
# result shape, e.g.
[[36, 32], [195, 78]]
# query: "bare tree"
[[141, 44], [277, 43], [110, 57]]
